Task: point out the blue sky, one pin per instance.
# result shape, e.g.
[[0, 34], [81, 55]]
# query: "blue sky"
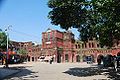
[[28, 19]]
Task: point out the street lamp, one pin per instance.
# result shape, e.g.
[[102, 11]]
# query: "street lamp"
[[7, 44]]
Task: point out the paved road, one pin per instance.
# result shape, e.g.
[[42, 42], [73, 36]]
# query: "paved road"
[[61, 71]]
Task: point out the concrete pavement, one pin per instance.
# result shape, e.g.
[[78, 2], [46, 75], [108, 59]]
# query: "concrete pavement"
[[7, 72], [13, 69], [60, 71]]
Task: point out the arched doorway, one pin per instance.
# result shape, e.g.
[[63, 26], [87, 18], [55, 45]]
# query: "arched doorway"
[[93, 58], [58, 57], [29, 58], [100, 56], [72, 57], [32, 58], [118, 54], [66, 58], [100, 59], [77, 58], [84, 58]]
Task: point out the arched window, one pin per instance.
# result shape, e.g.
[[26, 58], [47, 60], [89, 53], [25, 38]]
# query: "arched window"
[[89, 45], [97, 45], [76, 46], [48, 36], [92, 45]]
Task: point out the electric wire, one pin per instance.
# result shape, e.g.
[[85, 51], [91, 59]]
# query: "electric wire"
[[25, 34], [22, 33]]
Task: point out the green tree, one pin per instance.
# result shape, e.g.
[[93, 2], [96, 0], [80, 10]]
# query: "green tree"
[[22, 52], [76, 14], [108, 20], [93, 18], [67, 13], [3, 40]]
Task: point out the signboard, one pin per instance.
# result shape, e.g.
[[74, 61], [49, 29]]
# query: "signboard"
[[48, 42]]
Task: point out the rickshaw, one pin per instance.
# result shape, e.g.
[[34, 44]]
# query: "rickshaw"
[[108, 61], [117, 63], [112, 61]]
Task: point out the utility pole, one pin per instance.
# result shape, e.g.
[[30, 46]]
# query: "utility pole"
[[7, 55], [81, 58]]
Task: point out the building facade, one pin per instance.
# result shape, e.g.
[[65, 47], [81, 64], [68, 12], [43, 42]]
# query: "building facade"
[[33, 51], [90, 48], [65, 48], [68, 46], [58, 44], [52, 44]]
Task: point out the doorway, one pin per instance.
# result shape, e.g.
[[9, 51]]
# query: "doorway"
[[77, 58], [58, 57], [66, 58]]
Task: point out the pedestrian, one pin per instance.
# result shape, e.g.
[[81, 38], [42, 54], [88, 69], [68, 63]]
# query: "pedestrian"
[[1, 57], [4, 60], [114, 62], [118, 59], [51, 59], [99, 60]]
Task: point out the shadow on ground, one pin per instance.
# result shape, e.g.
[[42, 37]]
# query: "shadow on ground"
[[24, 73], [91, 71]]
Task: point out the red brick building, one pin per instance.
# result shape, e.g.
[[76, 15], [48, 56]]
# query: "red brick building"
[[65, 48], [58, 44], [68, 47], [92, 48], [33, 51]]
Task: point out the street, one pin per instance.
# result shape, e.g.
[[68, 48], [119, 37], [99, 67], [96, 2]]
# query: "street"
[[60, 71]]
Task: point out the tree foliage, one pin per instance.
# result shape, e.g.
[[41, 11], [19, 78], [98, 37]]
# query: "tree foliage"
[[92, 18], [108, 12], [3, 40], [22, 52], [67, 13]]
